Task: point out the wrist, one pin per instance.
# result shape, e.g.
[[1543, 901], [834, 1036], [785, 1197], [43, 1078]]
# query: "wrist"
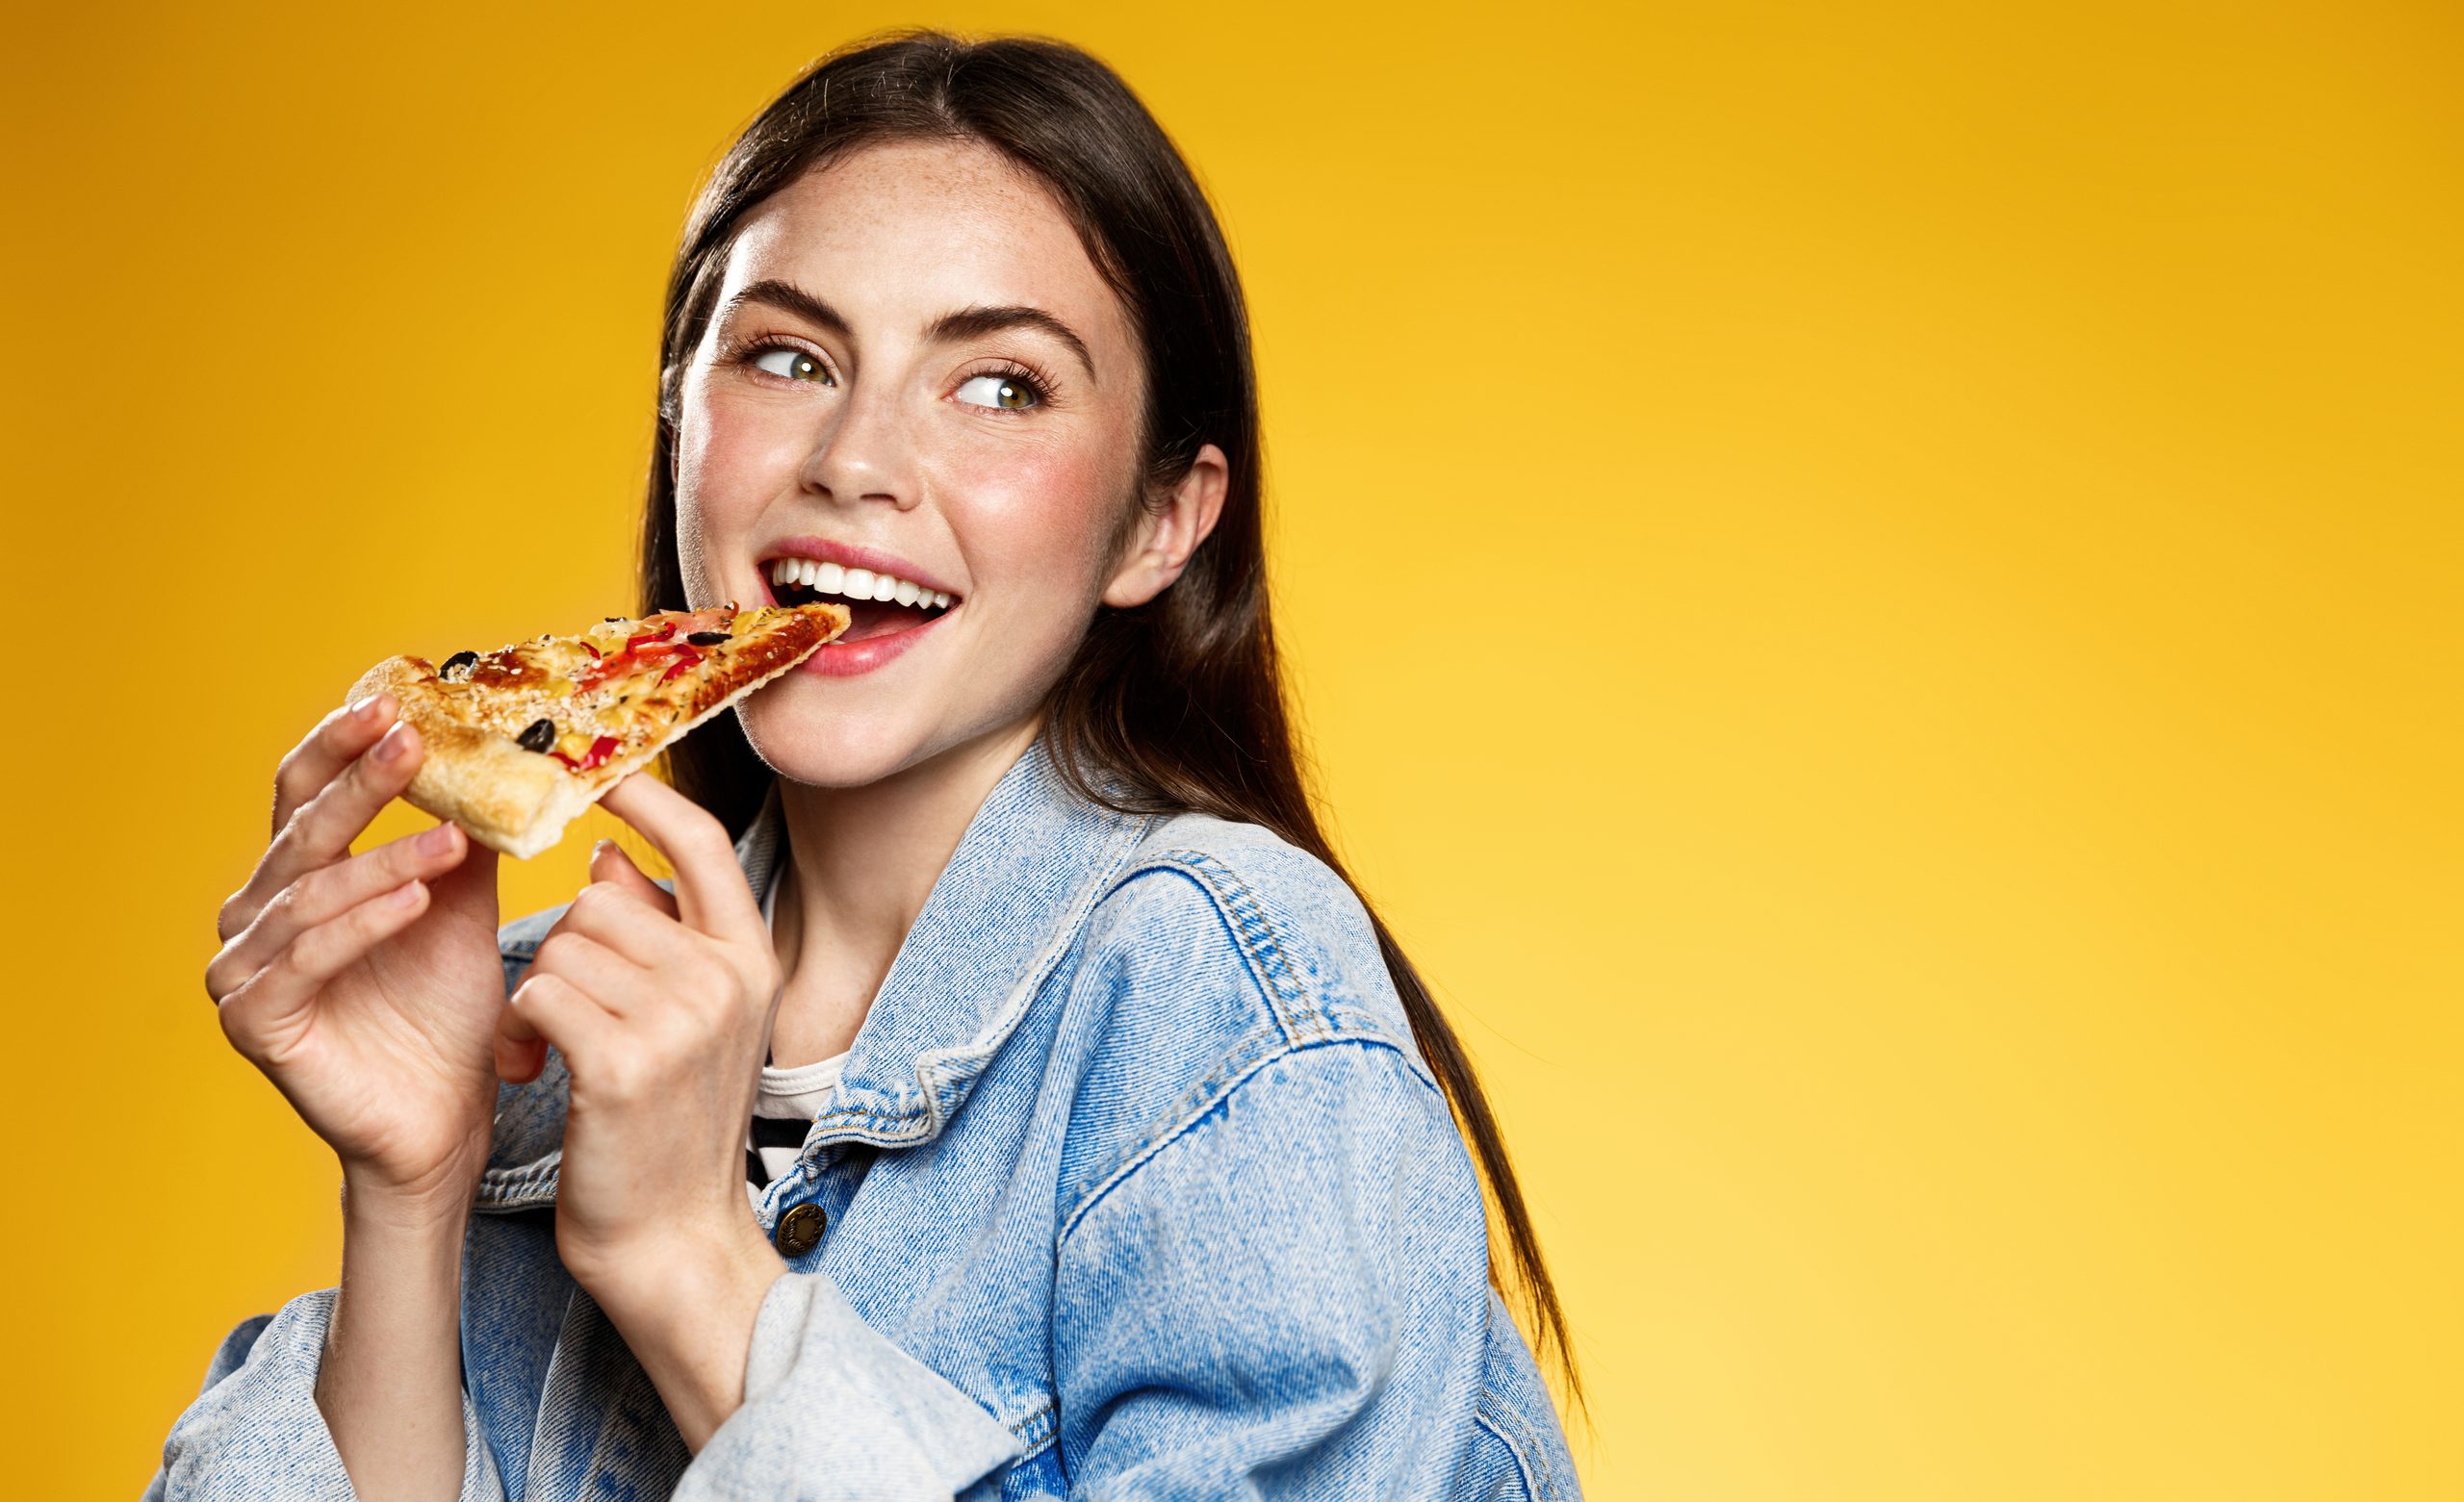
[[670, 1278], [688, 1316], [436, 1200]]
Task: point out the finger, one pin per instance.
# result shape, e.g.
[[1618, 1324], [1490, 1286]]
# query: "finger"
[[330, 892], [319, 833], [326, 751], [544, 1010], [711, 895], [271, 1009], [608, 862], [607, 978], [649, 937], [520, 1063], [308, 768]]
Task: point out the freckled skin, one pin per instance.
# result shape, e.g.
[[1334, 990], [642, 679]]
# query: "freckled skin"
[[1010, 509]]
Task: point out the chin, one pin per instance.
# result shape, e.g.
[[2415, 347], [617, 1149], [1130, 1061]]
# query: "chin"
[[812, 745]]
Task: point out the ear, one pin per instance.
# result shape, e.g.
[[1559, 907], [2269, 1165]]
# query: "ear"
[[1160, 546]]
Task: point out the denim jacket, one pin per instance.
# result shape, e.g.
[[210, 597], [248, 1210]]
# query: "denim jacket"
[[1134, 1185]]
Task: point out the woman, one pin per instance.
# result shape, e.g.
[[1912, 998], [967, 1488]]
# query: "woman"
[[1118, 1156]]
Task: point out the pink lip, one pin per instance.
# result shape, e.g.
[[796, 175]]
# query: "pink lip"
[[822, 549], [852, 659]]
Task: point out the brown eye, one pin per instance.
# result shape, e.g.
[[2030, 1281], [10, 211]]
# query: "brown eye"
[[997, 390], [793, 364]]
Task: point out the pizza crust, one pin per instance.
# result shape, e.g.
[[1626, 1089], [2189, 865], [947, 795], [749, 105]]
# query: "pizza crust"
[[493, 789], [510, 800]]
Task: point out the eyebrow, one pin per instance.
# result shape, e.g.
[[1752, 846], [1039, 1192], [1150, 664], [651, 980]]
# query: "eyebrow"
[[965, 324]]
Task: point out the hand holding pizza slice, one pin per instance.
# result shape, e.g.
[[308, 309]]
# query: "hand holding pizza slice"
[[520, 740]]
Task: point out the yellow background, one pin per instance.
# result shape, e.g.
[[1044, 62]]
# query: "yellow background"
[[1875, 587]]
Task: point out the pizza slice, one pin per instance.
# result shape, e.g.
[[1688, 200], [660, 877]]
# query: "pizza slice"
[[520, 740]]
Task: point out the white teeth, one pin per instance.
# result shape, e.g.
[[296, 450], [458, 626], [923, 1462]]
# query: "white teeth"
[[830, 579]]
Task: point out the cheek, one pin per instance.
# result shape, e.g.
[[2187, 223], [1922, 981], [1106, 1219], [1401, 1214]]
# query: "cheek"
[[724, 451], [1032, 515], [728, 466]]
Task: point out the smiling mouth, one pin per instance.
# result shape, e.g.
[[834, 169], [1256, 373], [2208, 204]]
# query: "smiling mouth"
[[878, 604]]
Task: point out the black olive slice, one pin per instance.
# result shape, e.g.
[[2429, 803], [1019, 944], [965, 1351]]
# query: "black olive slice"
[[708, 638], [457, 660], [538, 736]]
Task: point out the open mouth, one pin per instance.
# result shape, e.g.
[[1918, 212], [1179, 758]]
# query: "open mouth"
[[878, 604]]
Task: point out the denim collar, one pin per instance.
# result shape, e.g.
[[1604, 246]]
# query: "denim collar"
[[1031, 866]]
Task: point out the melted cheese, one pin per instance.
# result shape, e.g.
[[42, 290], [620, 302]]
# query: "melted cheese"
[[514, 687]]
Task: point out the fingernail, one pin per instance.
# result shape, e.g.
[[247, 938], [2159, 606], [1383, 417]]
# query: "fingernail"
[[403, 896], [397, 743], [362, 709], [436, 841]]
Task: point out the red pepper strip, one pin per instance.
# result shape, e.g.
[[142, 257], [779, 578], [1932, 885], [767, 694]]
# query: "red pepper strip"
[[596, 756], [678, 666], [607, 668], [661, 634], [586, 647]]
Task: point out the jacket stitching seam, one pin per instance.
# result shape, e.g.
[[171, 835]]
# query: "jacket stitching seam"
[[1155, 1143], [1307, 1023], [1244, 916], [1250, 929], [1537, 1483], [1252, 1051], [1038, 1430]]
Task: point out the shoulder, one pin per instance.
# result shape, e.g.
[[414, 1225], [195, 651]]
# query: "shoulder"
[[1221, 962], [1209, 904]]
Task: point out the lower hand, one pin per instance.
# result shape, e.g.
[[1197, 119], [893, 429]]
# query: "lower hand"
[[661, 1005]]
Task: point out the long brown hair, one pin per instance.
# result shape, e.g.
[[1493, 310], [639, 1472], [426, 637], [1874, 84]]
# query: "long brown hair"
[[1174, 705]]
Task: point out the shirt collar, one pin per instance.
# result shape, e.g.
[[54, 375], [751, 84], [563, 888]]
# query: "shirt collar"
[[1031, 866]]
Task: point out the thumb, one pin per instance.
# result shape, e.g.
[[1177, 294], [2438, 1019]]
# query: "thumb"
[[608, 862]]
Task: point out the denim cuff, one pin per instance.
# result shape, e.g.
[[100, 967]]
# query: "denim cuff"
[[256, 1431], [830, 1402]]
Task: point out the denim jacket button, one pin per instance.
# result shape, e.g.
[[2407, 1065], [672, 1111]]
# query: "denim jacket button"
[[799, 1231]]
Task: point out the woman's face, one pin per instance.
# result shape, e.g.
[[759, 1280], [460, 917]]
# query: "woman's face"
[[914, 372]]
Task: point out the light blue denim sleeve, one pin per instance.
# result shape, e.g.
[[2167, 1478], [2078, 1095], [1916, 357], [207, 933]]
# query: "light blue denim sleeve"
[[1285, 1297], [830, 1403], [1271, 1269], [255, 1430]]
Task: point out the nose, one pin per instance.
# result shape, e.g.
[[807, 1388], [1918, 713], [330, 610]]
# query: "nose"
[[862, 451]]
